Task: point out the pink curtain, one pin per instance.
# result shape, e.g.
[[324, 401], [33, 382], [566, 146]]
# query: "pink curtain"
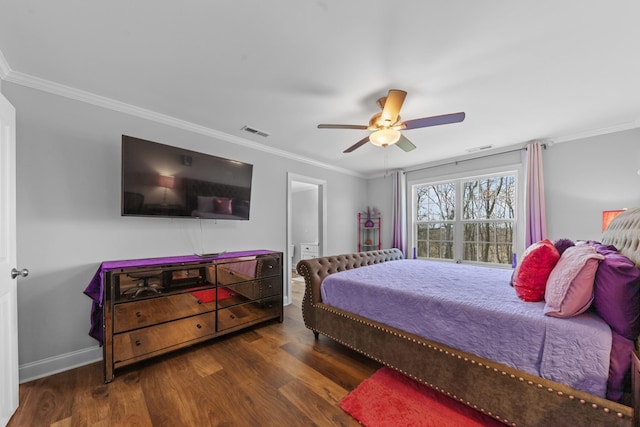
[[536, 218], [399, 214]]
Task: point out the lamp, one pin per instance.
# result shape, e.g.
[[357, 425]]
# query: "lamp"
[[166, 182], [385, 137], [608, 216]]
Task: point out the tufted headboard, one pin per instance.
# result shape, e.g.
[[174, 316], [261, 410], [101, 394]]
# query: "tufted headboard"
[[624, 233]]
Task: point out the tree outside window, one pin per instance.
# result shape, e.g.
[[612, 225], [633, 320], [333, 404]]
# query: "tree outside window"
[[469, 219]]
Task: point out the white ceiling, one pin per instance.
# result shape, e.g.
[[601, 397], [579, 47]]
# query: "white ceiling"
[[521, 70]]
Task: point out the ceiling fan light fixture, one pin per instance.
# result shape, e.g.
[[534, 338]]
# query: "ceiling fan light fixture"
[[386, 125], [384, 137]]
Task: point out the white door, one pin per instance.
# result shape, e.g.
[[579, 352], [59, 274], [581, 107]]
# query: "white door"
[[8, 292]]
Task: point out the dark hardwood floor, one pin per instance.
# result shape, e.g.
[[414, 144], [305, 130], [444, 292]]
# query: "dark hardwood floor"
[[275, 374]]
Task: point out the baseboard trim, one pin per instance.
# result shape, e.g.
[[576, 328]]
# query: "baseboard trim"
[[56, 364]]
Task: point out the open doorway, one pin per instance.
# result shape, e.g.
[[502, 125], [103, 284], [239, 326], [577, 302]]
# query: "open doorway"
[[306, 221]]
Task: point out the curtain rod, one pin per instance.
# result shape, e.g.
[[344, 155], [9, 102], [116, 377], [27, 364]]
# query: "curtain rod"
[[544, 147]]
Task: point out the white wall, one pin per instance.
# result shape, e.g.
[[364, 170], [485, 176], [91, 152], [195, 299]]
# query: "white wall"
[[68, 207]]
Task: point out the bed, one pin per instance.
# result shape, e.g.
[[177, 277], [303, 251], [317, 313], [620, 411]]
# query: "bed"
[[515, 396]]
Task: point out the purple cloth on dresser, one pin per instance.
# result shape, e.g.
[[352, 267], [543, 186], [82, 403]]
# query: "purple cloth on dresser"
[[95, 289], [474, 309]]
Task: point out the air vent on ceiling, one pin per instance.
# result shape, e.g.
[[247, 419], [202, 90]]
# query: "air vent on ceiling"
[[255, 131], [484, 147]]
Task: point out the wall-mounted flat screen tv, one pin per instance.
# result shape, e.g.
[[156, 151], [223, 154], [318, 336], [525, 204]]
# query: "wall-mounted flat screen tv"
[[161, 180]]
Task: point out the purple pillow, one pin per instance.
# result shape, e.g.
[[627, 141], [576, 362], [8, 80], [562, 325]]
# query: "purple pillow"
[[563, 244], [620, 365], [617, 291]]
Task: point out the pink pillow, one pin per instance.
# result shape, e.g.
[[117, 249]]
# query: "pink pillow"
[[570, 285], [222, 205], [530, 276]]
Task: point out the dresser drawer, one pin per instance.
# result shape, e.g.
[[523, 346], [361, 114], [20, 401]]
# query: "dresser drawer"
[[250, 312], [154, 338], [309, 251], [268, 267], [138, 314], [270, 286], [240, 293], [313, 249], [234, 272]]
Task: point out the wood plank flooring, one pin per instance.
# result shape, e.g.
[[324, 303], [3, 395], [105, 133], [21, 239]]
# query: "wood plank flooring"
[[275, 374]]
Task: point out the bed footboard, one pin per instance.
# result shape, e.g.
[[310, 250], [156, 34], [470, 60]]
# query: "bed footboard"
[[508, 395]]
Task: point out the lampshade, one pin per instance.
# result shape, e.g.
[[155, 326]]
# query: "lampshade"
[[166, 181], [384, 137], [608, 216]]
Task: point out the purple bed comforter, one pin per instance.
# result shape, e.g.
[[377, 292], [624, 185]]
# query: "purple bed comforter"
[[474, 309]]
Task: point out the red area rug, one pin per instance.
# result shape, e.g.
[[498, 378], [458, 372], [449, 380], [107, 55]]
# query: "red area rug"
[[390, 399]]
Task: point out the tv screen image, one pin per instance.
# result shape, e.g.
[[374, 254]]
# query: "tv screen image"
[[162, 180]]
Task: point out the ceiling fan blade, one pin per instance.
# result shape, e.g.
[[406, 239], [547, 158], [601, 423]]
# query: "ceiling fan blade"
[[434, 121], [392, 106], [342, 127], [357, 144], [405, 144]]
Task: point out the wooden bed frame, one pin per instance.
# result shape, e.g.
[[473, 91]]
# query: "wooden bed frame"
[[511, 396]]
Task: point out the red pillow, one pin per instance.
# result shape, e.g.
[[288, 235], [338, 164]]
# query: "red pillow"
[[531, 275]]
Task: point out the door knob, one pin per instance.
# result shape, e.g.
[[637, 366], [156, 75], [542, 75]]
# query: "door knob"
[[22, 273]]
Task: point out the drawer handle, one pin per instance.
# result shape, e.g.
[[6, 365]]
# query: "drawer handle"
[[199, 326], [232, 316], [138, 314], [199, 302], [138, 343], [269, 266]]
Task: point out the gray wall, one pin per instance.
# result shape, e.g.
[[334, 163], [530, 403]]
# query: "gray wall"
[[582, 178], [585, 177], [68, 206], [68, 209], [379, 196], [304, 221]]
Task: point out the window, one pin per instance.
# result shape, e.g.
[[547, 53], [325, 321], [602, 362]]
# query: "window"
[[468, 219]]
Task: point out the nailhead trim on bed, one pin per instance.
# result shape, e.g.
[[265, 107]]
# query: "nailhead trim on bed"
[[447, 352]]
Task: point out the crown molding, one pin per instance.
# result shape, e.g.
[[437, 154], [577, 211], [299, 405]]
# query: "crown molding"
[[634, 124], [37, 83], [4, 67]]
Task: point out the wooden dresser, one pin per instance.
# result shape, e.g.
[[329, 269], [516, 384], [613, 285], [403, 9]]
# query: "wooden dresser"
[[153, 308]]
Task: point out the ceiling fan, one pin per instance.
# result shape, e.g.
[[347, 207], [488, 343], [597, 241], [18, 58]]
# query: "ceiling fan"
[[386, 125]]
